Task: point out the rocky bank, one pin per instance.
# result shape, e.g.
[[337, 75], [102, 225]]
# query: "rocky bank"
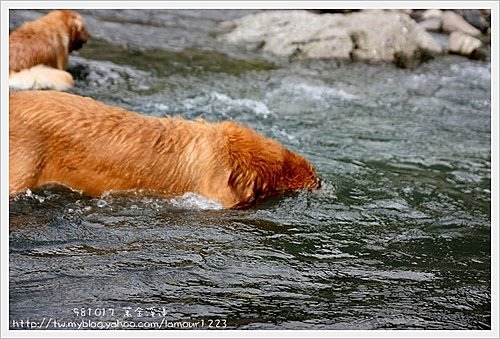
[[402, 37]]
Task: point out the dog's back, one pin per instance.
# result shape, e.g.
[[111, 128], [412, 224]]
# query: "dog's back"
[[94, 147]]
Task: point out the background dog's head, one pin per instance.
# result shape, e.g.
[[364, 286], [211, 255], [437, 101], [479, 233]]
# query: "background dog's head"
[[78, 34]]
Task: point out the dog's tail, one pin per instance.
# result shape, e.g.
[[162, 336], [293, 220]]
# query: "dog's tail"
[[40, 77]]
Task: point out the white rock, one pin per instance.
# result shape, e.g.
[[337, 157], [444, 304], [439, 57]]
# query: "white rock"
[[432, 13], [461, 43]]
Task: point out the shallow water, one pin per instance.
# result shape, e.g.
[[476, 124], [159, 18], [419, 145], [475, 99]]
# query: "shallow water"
[[398, 237]]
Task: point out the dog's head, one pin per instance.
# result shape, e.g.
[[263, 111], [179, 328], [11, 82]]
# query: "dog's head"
[[78, 34], [261, 167], [296, 173]]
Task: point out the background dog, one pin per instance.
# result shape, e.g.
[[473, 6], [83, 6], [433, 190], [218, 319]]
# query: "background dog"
[[38, 51], [62, 138]]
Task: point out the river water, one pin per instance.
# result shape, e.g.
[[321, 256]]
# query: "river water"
[[398, 237]]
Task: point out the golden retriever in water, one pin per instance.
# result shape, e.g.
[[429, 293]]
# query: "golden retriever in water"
[[38, 51], [62, 138]]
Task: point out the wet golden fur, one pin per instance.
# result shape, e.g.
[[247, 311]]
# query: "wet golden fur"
[[68, 139], [46, 41]]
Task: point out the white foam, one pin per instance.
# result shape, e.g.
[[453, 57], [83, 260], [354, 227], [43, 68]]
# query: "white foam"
[[31, 195], [282, 132], [162, 107], [258, 107], [319, 92], [222, 103], [101, 203], [196, 201]]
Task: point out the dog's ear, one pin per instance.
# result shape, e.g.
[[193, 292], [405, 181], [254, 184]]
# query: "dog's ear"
[[247, 185], [254, 163], [297, 173]]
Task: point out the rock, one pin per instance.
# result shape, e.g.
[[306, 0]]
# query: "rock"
[[475, 17], [431, 20], [371, 35], [330, 10], [406, 11], [432, 13], [431, 24], [416, 15], [453, 22], [463, 44]]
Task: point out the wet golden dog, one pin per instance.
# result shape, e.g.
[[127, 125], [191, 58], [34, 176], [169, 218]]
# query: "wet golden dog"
[[62, 138], [38, 51]]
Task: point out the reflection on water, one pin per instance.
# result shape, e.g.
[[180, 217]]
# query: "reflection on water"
[[398, 236]]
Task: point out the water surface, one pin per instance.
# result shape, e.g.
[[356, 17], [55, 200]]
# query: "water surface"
[[398, 237]]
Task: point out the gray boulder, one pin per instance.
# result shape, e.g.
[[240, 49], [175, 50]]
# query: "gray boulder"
[[371, 35], [453, 22]]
